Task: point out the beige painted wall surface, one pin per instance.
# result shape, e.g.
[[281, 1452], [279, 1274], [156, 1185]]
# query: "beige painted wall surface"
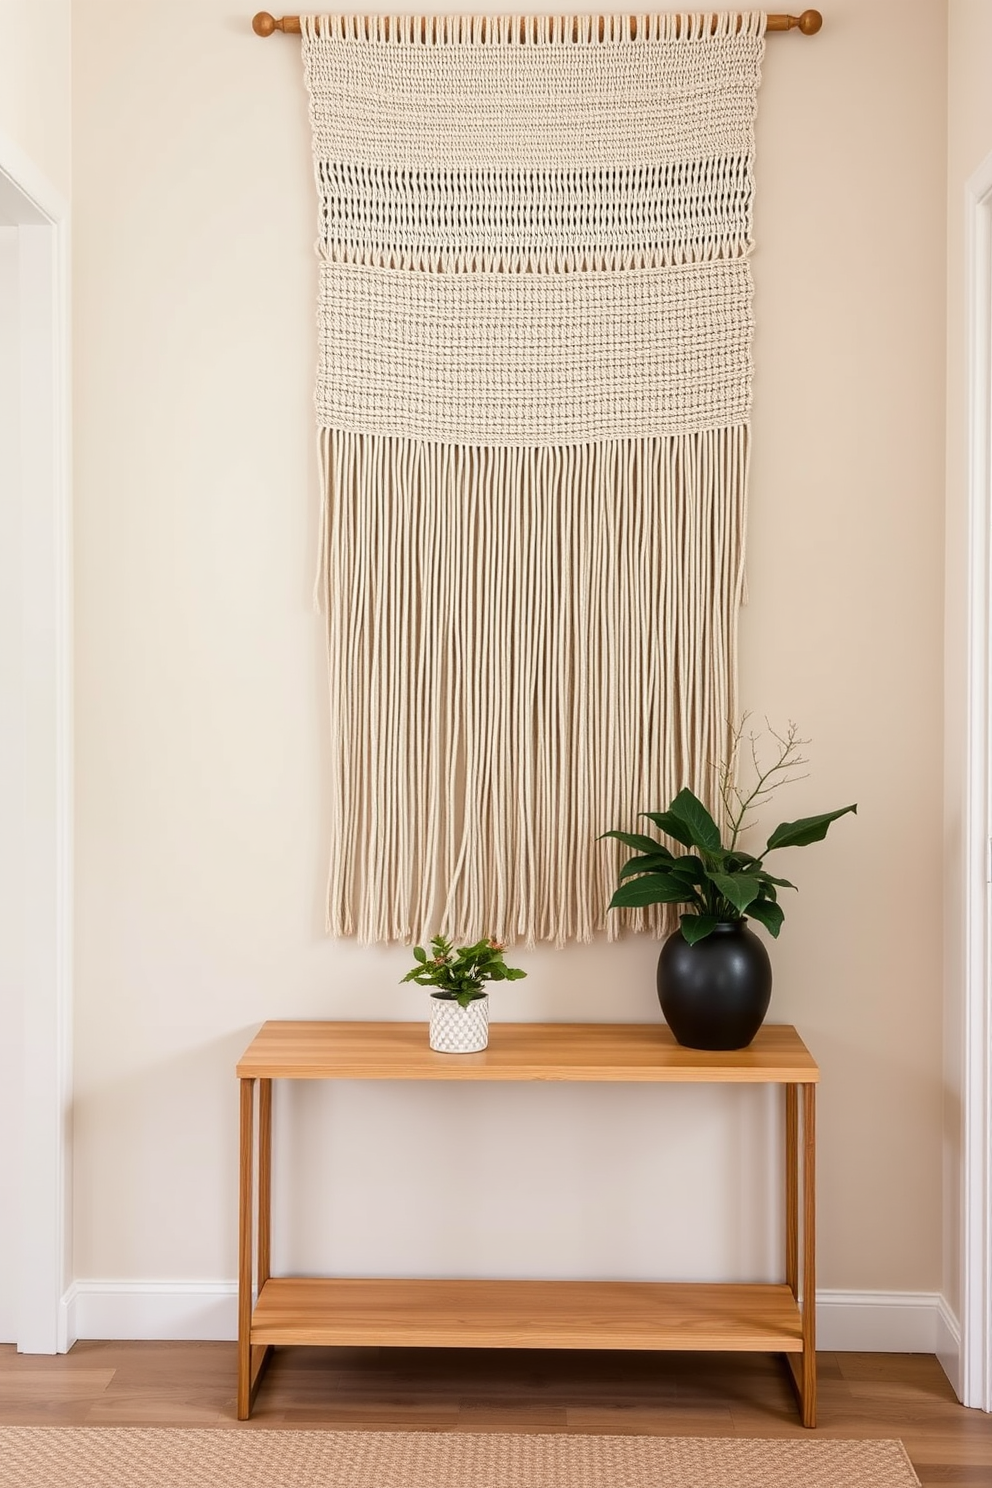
[[35, 71], [202, 826], [969, 143]]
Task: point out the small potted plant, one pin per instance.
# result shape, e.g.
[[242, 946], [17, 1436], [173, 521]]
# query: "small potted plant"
[[714, 975], [459, 1005]]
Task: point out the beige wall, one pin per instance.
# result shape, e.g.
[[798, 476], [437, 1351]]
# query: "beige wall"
[[969, 143], [35, 68], [201, 710]]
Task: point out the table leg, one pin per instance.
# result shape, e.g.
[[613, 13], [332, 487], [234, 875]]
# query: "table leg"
[[809, 1256], [245, 1238], [264, 1181], [792, 1188]]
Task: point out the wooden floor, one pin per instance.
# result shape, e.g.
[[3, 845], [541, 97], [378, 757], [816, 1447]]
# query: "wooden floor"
[[193, 1384]]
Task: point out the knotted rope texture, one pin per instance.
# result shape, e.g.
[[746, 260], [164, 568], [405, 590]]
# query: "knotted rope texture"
[[533, 392]]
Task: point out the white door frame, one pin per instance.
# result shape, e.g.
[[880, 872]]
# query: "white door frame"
[[976, 1175], [45, 852]]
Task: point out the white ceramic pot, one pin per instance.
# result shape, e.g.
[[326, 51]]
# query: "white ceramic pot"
[[458, 1030]]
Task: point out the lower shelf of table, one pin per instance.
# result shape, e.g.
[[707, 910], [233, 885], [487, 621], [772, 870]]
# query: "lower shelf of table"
[[527, 1314]]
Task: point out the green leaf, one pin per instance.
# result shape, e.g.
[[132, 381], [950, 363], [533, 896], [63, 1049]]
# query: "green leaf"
[[672, 826], [514, 973], [636, 839], [465, 995], [688, 868], [690, 809], [419, 954], [737, 888], [808, 829], [782, 883], [768, 914], [653, 888], [649, 863], [697, 927]]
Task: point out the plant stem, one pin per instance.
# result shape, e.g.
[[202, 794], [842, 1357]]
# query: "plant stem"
[[789, 758]]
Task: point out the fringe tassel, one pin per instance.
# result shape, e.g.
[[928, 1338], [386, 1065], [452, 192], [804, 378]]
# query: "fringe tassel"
[[526, 647]]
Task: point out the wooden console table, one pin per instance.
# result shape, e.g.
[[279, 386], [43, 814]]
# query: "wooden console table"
[[776, 1318]]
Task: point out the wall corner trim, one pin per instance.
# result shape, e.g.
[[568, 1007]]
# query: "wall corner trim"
[[948, 1348], [44, 681], [67, 1334], [976, 1175]]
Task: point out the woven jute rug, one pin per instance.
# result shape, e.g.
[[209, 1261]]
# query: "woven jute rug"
[[128, 1457]]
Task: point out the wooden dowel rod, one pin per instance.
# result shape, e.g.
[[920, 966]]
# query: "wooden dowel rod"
[[808, 23]]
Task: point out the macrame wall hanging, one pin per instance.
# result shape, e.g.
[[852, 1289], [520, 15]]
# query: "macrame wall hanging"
[[533, 398]]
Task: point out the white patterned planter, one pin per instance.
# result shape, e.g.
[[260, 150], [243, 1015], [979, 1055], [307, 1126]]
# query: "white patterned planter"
[[458, 1030]]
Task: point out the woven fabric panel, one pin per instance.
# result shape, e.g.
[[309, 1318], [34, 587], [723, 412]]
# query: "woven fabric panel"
[[469, 92], [534, 359], [524, 219], [538, 240], [533, 391]]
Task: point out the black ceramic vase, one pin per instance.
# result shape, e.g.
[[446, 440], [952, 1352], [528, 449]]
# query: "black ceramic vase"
[[715, 994]]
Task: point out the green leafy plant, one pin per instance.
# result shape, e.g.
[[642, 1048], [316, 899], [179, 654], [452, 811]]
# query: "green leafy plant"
[[459, 974], [718, 882]]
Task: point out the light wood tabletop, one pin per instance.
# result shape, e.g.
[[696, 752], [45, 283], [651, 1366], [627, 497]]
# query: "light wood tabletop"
[[644, 1052]]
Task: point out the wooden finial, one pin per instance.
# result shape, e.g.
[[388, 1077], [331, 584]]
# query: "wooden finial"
[[263, 24], [810, 22]]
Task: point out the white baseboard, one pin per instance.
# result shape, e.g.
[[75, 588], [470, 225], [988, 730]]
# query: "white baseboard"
[[65, 1322], [948, 1348], [876, 1322], [189, 1310], [879, 1322]]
